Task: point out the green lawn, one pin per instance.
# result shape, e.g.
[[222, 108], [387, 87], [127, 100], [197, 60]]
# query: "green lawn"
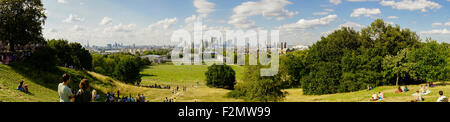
[[43, 86], [295, 95], [188, 75], [169, 74]]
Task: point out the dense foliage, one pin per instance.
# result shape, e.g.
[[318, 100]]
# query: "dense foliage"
[[257, 88], [292, 68], [220, 76], [70, 54], [156, 52], [123, 67], [380, 54], [21, 22], [61, 53]]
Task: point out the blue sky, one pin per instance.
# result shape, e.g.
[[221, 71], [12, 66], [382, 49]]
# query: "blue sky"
[[301, 22]]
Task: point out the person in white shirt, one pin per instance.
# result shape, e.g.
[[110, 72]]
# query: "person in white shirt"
[[64, 92], [442, 98]]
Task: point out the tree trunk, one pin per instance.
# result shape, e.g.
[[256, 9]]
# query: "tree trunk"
[[396, 83]]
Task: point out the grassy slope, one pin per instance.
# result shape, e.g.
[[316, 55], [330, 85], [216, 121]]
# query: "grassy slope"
[[295, 95], [9, 79], [43, 86]]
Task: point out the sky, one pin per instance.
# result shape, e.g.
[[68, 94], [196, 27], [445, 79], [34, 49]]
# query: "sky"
[[301, 22]]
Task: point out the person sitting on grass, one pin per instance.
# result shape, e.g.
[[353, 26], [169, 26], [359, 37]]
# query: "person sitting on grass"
[[405, 89], [25, 88], [374, 97], [380, 96], [20, 87], [95, 96], [399, 90], [83, 95], [442, 98], [431, 84], [369, 87], [64, 92]]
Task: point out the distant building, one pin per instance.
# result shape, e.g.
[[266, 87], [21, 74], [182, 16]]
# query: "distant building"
[[156, 58], [300, 47]]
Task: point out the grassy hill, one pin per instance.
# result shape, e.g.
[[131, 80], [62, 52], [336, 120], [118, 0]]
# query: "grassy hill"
[[43, 86]]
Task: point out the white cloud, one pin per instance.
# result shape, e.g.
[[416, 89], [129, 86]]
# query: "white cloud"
[[392, 17], [436, 24], [412, 5], [325, 12], [165, 23], [320, 13], [366, 12], [305, 24], [78, 28], [267, 8], [106, 21], [121, 28], [447, 23], [335, 2], [73, 18], [204, 7], [192, 19], [362, 0], [61, 1], [329, 10], [437, 32]]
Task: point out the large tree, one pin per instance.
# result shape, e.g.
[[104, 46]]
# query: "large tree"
[[397, 66], [430, 61], [21, 21], [347, 60]]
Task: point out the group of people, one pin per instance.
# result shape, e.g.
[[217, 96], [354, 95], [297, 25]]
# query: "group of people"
[[418, 96], [82, 95], [21, 52], [157, 86], [23, 87], [110, 97], [170, 100], [7, 58], [402, 89], [175, 90], [66, 94]]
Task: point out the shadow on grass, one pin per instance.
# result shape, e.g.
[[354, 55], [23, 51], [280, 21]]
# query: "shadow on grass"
[[147, 75]]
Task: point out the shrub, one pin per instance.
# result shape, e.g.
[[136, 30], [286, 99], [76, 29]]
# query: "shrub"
[[257, 88], [220, 76]]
